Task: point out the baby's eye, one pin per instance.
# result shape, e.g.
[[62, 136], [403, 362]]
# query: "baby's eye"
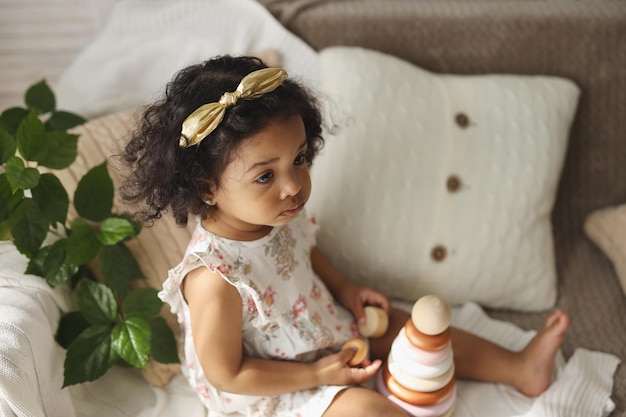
[[300, 159], [265, 178]]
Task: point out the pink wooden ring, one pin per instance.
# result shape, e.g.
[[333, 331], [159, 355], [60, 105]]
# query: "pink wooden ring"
[[430, 373], [402, 348]]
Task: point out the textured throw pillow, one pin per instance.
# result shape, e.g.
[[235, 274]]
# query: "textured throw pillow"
[[441, 184], [607, 229]]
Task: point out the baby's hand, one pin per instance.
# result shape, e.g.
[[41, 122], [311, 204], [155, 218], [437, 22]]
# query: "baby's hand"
[[334, 369], [355, 298]]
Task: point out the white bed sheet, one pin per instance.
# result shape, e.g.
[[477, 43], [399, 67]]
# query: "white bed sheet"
[[581, 387]]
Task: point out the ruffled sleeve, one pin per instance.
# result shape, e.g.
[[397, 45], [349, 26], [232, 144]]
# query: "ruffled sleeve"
[[171, 292]]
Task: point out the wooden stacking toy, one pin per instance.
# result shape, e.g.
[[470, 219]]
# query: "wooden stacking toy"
[[419, 374]]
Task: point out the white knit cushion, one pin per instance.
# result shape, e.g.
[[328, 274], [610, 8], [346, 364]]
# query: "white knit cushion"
[[441, 184]]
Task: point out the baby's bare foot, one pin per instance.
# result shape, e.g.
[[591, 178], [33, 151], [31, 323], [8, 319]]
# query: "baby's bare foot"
[[539, 355]]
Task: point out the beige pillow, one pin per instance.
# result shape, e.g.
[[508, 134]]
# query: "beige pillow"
[[157, 248], [440, 183], [607, 229]]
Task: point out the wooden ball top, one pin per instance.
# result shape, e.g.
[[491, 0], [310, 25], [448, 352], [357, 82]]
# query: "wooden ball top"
[[431, 315]]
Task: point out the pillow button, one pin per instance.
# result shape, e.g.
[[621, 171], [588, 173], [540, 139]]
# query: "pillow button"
[[438, 253], [453, 183], [462, 120]]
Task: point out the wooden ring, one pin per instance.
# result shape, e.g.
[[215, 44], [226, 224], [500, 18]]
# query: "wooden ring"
[[425, 341], [376, 322], [416, 397], [401, 347], [444, 409], [416, 383], [361, 351], [426, 377]]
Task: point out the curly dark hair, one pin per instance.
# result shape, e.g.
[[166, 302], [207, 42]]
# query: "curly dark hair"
[[165, 176]]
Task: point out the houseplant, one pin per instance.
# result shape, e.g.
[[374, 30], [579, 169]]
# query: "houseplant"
[[115, 321]]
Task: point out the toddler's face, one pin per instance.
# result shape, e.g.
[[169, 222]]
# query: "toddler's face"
[[265, 185]]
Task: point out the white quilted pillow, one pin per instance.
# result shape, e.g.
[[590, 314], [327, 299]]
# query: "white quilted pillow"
[[441, 184]]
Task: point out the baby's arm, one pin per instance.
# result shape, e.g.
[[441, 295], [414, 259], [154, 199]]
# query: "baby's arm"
[[216, 314], [351, 296]]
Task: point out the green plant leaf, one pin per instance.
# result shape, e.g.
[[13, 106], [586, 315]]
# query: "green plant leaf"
[[11, 118], [8, 200], [142, 302], [93, 198], [55, 269], [54, 260], [71, 325], [118, 267], [35, 264], [66, 272], [82, 243], [7, 146], [51, 197], [28, 227], [19, 176], [62, 150], [63, 120], [114, 230], [5, 230], [40, 97], [163, 343], [131, 341], [136, 225], [89, 356], [97, 302], [31, 138]]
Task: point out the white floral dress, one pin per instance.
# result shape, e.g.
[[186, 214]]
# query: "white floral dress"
[[288, 313]]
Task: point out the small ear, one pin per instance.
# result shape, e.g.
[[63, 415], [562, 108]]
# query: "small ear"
[[208, 192]]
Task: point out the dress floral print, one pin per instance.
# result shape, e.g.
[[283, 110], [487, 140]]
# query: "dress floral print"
[[288, 313], [281, 249]]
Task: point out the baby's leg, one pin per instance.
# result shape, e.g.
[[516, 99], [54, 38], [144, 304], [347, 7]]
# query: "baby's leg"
[[530, 370], [362, 402]]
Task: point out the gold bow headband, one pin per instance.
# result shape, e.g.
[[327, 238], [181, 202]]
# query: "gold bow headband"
[[199, 124]]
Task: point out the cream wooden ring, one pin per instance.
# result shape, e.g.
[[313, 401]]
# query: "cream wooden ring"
[[376, 322], [415, 383]]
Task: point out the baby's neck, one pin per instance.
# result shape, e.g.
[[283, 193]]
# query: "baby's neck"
[[232, 232]]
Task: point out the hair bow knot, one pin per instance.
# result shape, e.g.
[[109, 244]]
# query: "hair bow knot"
[[205, 119]]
